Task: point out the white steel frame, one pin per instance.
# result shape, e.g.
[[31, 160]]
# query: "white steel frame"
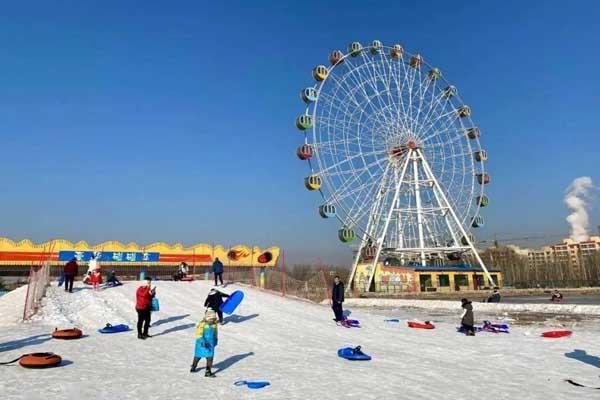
[[416, 158], [406, 205]]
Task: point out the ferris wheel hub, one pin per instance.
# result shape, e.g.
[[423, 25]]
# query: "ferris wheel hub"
[[397, 153]]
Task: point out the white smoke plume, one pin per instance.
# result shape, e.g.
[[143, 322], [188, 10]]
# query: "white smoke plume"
[[577, 198]]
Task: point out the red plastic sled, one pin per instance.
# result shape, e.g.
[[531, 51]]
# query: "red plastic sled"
[[420, 325], [187, 278], [557, 334]]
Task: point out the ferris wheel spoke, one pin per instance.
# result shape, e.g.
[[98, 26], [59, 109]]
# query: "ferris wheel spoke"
[[355, 174], [357, 86], [436, 102], [351, 158], [371, 81]]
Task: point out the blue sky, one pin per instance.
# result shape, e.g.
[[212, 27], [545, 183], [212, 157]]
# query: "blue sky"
[[173, 121]]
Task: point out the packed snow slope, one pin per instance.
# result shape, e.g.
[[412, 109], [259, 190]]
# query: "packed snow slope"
[[291, 343]]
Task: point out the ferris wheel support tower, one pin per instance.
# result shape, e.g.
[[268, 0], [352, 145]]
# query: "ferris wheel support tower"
[[420, 168]]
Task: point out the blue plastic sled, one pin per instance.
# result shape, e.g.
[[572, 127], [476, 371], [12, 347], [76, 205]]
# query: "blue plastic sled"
[[253, 384], [354, 354], [114, 328], [391, 320], [232, 302], [498, 326], [155, 304], [61, 280]]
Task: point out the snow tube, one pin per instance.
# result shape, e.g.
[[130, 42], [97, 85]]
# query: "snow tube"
[[253, 384], [67, 334], [354, 354], [420, 325], [40, 360], [232, 302], [557, 334], [114, 328]]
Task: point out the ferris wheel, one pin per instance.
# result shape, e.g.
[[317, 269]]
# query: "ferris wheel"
[[395, 155]]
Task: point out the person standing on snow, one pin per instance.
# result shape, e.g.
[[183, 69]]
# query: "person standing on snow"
[[207, 339], [337, 298], [467, 319], [70, 271], [214, 302], [217, 268], [143, 306]]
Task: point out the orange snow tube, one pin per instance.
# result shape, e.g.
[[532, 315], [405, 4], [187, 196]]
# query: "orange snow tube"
[[40, 360], [420, 325], [67, 333]]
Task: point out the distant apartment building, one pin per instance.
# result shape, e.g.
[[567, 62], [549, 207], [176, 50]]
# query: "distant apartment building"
[[568, 252]]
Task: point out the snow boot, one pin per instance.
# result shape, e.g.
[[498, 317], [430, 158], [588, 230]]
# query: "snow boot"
[[194, 364], [140, 336], [209, 373]]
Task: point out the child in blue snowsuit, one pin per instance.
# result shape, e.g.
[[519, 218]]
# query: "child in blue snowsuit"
[[206, 341]]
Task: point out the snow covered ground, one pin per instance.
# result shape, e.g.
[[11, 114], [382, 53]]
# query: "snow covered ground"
[[290, 343]]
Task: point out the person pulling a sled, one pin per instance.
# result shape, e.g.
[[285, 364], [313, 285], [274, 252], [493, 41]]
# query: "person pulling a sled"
[[214, 300], [467, 319], [337, 298], [207, 339]]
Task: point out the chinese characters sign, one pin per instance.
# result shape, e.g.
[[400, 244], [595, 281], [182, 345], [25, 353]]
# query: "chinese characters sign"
[[109, 256]]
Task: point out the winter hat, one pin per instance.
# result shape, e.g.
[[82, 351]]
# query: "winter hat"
[[210, 315], [464, 301]]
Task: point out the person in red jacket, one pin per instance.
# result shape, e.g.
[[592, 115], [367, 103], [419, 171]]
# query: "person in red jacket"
[[96, 280], [70, 271], [143, 306]]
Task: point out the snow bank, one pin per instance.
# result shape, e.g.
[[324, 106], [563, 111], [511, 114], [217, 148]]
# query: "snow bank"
[[293, 344], [11, 306], [484, 307]]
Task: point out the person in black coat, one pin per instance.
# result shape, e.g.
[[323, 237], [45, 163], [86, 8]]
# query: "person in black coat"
[[495, 297], [337, 298], [214, 301], [467, 319]]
